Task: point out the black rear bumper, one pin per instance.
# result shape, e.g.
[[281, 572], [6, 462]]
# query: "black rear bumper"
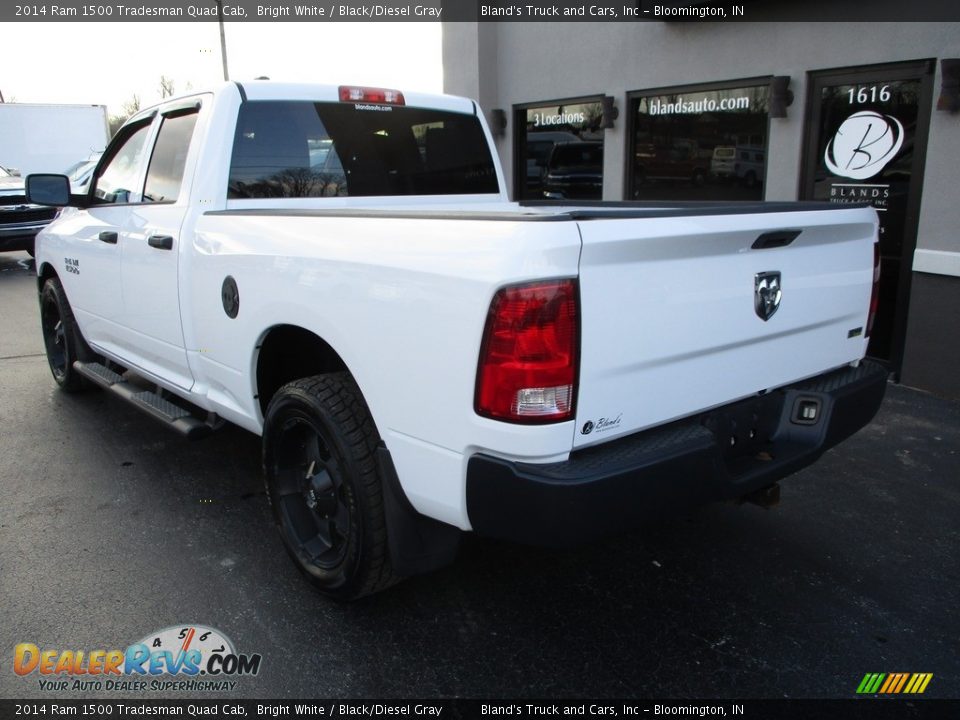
[[724, 454]]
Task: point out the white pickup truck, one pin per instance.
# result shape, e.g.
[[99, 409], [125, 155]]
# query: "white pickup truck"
[[339, 270]]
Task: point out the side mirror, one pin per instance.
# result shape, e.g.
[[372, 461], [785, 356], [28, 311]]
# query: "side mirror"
[[44, 189]]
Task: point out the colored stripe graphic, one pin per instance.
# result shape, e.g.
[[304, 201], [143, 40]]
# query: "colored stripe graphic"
[[894, 683], [903, 680], [870, 683], [918, 683], [892, 679]]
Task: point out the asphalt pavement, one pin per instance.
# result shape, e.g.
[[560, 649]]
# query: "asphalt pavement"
[[113, 528]]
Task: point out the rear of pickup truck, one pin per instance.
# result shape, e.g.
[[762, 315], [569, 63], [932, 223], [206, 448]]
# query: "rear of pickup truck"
[[338, 269], [718, 350]]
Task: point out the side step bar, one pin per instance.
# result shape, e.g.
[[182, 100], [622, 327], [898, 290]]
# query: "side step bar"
[[149, 402]]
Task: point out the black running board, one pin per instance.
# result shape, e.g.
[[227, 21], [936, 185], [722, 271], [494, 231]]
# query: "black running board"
[[159, 408]]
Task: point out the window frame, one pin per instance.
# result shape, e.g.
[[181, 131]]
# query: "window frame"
[[148, 119]]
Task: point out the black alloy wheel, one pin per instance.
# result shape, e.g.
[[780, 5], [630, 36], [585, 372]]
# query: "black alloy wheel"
[[324, 485], [62, 338], [313, 499]]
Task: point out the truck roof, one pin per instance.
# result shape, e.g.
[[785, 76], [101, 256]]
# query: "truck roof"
[[255, 90]]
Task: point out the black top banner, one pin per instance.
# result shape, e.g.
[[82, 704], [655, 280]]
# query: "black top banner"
[[482, 11], [866, 709]]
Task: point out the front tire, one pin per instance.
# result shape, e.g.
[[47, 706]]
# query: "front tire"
[[62, 338], [319, 445]]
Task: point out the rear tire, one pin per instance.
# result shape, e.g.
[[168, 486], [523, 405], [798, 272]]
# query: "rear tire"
[[324, 486], [62, 338]]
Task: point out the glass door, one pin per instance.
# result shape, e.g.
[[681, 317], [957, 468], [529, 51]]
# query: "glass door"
[[865, 142]]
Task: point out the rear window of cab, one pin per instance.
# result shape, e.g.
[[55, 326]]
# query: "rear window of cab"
[[301, 149]]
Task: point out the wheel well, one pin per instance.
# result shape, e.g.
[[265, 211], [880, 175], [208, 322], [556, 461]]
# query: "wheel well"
[[289, 353], [46, 272]]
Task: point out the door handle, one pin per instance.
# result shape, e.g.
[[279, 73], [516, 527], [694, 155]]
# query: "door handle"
[[775, 239], [161, 242], [108, 236]]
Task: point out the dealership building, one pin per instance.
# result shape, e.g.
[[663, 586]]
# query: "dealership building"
[[839, 112]]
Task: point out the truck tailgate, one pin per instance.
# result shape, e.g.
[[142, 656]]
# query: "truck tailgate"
[[669, 325]]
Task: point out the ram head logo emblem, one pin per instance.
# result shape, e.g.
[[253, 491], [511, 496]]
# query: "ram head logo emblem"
[[766, 294]]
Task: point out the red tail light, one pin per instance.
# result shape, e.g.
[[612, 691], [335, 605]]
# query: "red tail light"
[[371, 95], [528, 359], [875, 294]]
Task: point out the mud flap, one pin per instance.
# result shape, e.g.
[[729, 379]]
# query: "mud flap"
[[418, 544]]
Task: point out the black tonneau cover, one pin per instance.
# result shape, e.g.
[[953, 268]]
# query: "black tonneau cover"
[[582, 211]]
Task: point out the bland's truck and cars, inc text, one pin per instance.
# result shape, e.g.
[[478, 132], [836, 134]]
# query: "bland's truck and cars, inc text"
[[339, 270]]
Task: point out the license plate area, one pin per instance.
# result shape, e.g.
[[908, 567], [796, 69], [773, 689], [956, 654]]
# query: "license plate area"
[[745, 431]]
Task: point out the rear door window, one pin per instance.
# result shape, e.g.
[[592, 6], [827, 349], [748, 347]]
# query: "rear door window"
[[305, 149], [169, 158]]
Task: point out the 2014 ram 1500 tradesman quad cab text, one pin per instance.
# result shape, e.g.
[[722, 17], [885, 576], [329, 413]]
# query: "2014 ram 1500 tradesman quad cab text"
[[340, 271]]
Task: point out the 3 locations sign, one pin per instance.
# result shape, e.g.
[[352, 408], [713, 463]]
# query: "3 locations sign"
[[574, 118]]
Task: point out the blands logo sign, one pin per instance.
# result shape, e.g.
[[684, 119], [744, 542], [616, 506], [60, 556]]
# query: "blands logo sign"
[[863, 145]]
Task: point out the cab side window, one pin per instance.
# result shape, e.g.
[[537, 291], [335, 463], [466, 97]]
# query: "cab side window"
[[165, 174], [117, 180]]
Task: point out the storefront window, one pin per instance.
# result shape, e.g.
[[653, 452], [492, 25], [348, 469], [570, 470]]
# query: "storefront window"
[[559, 153], [699, 144]]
